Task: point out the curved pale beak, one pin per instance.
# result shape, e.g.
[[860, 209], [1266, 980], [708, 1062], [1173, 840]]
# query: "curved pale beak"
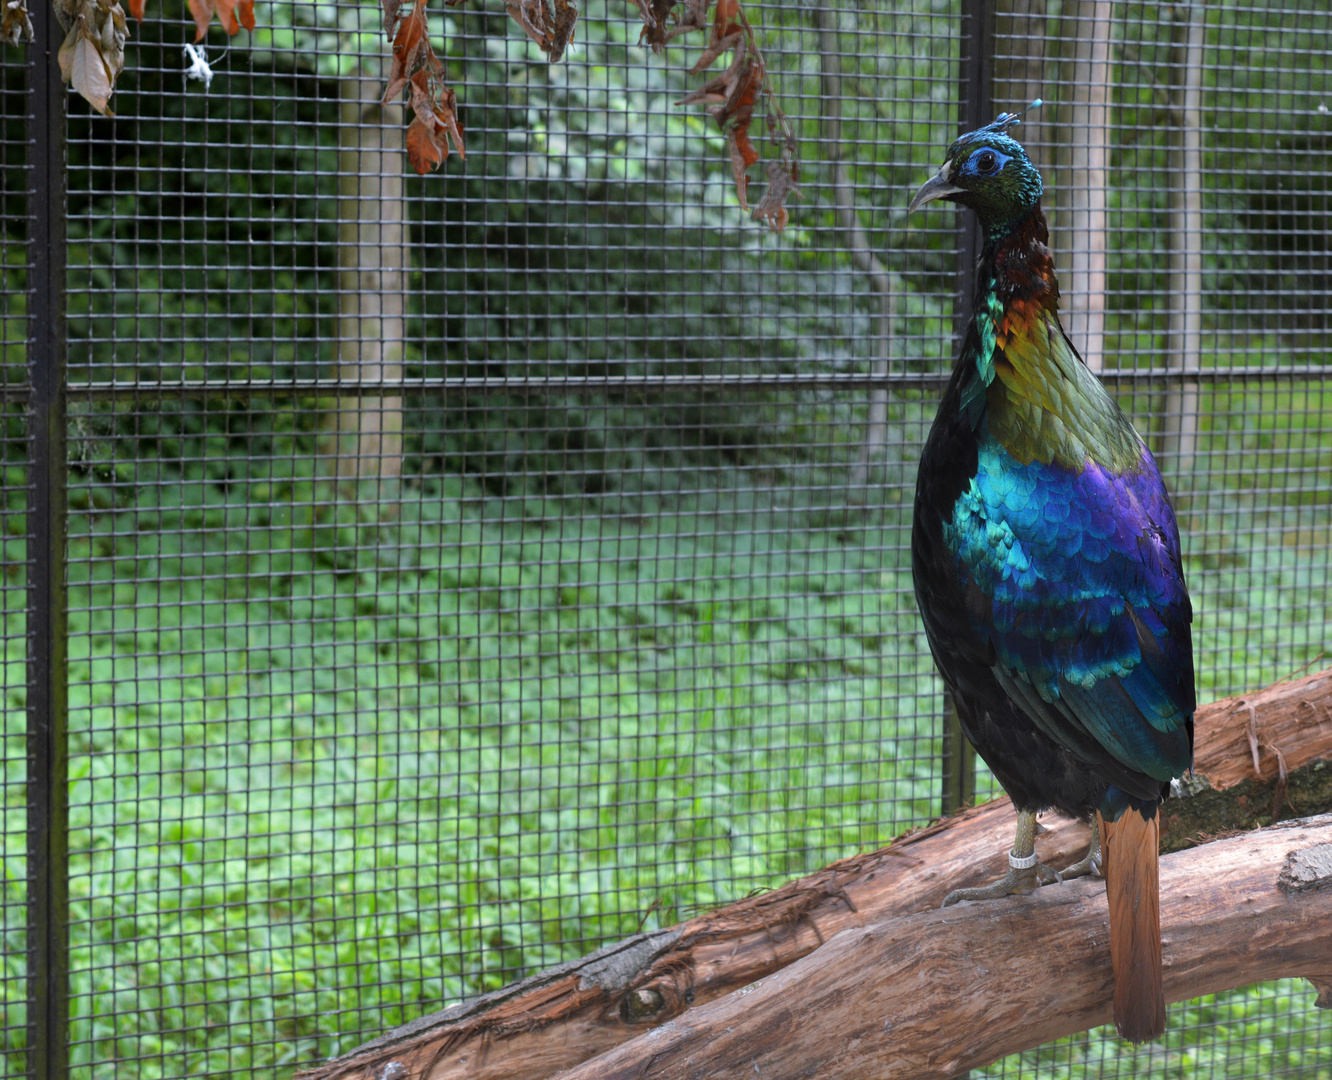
[[937, 187]]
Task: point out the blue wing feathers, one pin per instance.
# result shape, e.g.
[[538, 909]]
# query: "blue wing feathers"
[[1087, 610]]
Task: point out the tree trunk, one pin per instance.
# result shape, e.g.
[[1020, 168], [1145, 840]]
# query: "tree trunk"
[[372, 265], [1186, 234], [1020, 70], [862, 253], [1255, 755], [1082, 235]]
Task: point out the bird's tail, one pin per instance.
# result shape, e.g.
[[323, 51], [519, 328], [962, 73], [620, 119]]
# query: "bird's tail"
[[1131, 847]]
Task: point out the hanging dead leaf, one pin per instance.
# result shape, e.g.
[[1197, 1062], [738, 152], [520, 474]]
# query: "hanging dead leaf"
[[15, 22], [226, 15], [654, 14], [727, 19], [720, 87], [411, 52], [551, 27], [731, 99], [202, 10], [782, 178], [416, 68], [446, 120], [714, 51], [231, 15], [690, 15], [84, 68], [436, 106], [136, 9], [424, 150], [93, 52]]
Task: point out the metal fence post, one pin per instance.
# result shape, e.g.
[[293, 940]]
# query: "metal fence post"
[[976, 61], [48, 794]]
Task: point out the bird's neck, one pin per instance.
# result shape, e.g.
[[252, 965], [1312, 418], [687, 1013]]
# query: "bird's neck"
[[1015, 288], [1016, 264]]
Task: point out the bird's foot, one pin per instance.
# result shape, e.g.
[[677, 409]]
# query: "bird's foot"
[[1025, 875], [1091, 864]]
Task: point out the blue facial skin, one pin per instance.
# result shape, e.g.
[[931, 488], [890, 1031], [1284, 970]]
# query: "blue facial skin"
[[972, 166]]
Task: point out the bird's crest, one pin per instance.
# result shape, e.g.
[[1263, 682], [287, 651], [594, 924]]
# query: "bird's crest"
[[996, 130], [1006, 120]]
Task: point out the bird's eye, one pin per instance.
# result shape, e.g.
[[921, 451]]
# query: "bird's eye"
[[987, 162]]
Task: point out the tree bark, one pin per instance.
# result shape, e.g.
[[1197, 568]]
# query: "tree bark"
[[1254, 753], [1082, 237], [372, 264], [1019, 71], [857, 240], [926, 996], [1186, 236]]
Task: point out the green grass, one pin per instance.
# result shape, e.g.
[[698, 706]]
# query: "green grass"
[[331, 770], [1261, 1031], [341, 758]]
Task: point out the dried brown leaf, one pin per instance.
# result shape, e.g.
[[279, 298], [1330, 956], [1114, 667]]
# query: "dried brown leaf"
[[654, 14], [731, 99], [231, 15], [84, 68], [436, 107], [424, 150], [411, 33], [136, 9], [727, 19], [15, 22], [530, 16], [690, 15], [713, 51], [93, 52], [446, 119], [739, 162], [411, 52], [202, 10], [782, 178], [417, 69], [551, 27], [226, 15]]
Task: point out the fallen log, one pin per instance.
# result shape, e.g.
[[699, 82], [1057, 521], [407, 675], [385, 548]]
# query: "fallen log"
[[1257, 757]]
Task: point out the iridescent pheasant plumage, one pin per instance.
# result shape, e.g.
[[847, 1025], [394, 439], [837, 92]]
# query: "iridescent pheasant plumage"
[[1048, 573]]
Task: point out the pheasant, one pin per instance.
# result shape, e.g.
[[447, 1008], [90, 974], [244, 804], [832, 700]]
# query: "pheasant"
[[1047, 571]]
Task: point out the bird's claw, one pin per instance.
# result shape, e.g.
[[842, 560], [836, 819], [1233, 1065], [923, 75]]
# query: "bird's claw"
[[1014, 883], [1091, 863], [1089, 866]]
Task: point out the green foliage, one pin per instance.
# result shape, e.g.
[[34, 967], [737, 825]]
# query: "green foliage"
[[333, 768], [341, 756]]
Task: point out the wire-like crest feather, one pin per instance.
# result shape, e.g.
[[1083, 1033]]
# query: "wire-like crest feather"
[[1006, 120]]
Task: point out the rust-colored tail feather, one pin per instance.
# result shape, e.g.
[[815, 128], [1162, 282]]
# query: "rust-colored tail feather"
[[1130, 849]]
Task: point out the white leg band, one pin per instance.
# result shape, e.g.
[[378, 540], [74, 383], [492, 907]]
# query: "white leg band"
[[1024, 863]]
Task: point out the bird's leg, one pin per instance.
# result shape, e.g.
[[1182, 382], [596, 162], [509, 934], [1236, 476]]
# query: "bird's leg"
[[1092, 863], [1025, 871]]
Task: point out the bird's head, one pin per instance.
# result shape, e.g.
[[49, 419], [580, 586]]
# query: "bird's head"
[[987, 170]]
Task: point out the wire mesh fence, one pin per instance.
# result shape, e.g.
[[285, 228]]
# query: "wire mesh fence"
[[467, 570]]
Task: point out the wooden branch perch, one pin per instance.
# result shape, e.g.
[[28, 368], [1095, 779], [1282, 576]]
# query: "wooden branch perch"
[[1046, 953], [935, 994]]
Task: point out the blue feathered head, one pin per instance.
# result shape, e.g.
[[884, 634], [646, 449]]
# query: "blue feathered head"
[[989, 171]]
